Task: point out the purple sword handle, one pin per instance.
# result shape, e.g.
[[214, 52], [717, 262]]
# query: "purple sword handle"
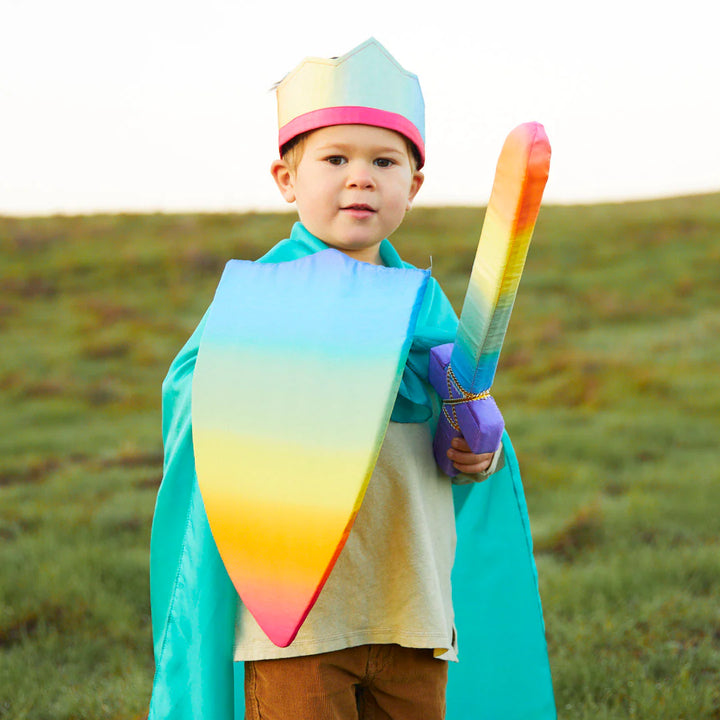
[[477, 419]]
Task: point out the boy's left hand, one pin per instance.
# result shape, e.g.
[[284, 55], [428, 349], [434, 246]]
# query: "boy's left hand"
[[466, 461]]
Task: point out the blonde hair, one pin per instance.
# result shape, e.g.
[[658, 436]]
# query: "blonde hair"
[[292, 151]]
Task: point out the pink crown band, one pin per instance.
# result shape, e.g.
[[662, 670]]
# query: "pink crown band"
[[353, 115]]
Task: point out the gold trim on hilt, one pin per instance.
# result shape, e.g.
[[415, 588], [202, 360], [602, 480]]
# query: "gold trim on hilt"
[[465, 396]]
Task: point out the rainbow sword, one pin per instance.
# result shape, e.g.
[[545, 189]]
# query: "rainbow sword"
[[462, 372]]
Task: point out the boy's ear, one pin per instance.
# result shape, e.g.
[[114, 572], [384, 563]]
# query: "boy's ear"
[[284, 179], [415, 184]]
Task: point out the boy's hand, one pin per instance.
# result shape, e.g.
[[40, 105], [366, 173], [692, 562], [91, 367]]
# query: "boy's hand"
[[466, 461]]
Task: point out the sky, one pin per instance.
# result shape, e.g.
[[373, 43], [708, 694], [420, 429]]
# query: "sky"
[[165, 105]]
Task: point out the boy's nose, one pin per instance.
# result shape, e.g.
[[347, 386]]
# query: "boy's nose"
[[360, 175]]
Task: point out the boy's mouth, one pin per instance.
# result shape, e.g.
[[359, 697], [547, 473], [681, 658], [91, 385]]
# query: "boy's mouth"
[[359, 209]]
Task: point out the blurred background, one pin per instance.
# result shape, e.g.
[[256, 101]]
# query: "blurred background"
[[134, 151], [166, 105]]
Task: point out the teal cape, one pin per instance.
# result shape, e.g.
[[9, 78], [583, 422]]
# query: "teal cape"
[[503, 671]]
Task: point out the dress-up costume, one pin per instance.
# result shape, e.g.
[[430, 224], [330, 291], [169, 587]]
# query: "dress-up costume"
[[503, 669]]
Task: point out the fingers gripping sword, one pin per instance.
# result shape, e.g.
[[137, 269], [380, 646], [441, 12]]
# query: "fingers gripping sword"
[[462, 372]]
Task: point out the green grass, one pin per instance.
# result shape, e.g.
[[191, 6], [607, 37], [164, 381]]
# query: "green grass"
[[608, 382]]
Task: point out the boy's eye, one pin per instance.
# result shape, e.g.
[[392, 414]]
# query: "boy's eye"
[[384, 162], [335, 159]]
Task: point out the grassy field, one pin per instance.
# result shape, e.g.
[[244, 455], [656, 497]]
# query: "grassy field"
[[608, 382]]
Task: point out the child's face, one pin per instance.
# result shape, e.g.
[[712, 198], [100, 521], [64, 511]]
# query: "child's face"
[[352, 186]]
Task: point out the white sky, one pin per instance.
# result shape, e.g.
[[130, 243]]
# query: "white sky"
[[164, 104]]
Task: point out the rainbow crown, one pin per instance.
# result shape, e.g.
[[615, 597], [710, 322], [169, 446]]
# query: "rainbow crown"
[[366, 86]]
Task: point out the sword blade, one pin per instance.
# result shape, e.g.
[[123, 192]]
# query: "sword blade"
[[520, 179]]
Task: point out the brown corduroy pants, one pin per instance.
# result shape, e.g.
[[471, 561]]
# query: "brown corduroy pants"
[[369, 682]]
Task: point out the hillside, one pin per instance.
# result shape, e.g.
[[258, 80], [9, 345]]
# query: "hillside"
[[608, 382]]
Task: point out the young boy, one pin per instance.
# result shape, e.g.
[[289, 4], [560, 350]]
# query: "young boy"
[[378, 641]]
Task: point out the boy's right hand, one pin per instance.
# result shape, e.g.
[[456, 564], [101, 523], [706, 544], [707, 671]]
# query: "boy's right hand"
[[465, 460]]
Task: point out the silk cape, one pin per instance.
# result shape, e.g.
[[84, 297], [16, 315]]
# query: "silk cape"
[[503, 670]]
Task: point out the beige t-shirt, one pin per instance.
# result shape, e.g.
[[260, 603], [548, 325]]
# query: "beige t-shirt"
[[391, 582]]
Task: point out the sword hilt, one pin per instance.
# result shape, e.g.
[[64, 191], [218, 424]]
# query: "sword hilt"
[[473, 416]]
